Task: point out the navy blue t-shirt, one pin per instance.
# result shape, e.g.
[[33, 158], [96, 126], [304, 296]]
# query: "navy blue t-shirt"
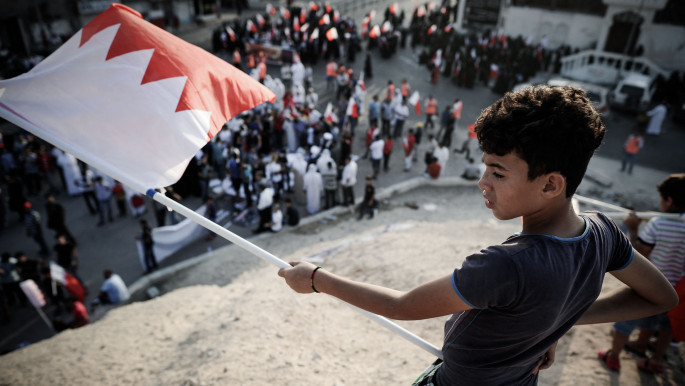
[[526, 293]]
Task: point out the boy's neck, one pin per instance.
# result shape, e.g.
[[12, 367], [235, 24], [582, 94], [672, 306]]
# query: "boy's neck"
[[560, 221]]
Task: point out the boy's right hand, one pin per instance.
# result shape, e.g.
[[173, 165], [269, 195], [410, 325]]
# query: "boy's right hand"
[[299, 276]]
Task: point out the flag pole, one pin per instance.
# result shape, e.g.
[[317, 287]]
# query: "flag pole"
[[197, 218], [623, 211], [265, 255]]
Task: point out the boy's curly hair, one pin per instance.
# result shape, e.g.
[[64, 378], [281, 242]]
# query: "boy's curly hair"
[[553, 129]]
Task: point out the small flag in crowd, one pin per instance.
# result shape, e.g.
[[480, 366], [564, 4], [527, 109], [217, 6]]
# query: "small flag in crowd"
[[415, 100], [260, 20], [328, 113], [375, 32], [250, 26], [332, 34]]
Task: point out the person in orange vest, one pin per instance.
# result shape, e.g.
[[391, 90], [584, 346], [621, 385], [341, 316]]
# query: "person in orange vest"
[[237, 60], [630, 149], [390, 91], [405, 88], [431, 110], [331, 72], [262, 70]]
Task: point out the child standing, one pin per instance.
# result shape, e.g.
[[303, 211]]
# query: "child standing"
[[510, 303], [661, 240]]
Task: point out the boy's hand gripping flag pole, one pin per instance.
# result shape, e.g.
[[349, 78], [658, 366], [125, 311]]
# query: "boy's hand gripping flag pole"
[[137, 103]]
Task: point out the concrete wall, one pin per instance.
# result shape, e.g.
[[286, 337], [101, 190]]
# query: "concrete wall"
[[576, 30], [665, 45]]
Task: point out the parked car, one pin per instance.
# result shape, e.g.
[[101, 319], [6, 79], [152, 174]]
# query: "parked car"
[[599, 95], [633, 93]]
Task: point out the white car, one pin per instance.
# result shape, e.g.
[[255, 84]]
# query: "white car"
[[599, 95], [633, 93]]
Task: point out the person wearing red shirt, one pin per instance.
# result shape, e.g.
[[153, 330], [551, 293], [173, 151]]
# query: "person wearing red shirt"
[[433, 169], [387, 151], [408, 145]]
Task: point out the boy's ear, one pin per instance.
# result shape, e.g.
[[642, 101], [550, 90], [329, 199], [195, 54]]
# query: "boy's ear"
[[555, 184]]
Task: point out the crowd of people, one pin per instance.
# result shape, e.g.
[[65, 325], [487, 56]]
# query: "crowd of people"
[[268, 158]]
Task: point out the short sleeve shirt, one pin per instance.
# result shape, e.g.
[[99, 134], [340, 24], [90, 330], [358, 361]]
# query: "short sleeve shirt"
[[526, 293], [666, 236]]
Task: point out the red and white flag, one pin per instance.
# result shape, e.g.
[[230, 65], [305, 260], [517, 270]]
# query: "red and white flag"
[[432, 29], [415, 100], [260, 20], [386, 27], [250, 26], [285, 13], [304, 27], [328, 113], [332, 34], [129, 98], [352, 108], [325, 20], [33, 293], [360, 82], [393, 8], [270, 9], [231, 33], [315, 35], [375, 32], [296, 25], [421, 11]]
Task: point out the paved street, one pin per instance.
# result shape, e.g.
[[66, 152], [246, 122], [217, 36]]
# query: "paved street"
[[113, 245]]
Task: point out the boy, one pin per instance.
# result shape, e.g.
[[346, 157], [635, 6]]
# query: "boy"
[[512, 302], [661, 240]]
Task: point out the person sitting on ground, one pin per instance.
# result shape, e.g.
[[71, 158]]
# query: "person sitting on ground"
[[472, 171], [661, 240], [276, 223], [369, 204], [510, 303], [292, 216], [113, 289], [433, 168]]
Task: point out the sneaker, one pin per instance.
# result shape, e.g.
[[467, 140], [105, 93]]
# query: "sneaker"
[[613, 364]]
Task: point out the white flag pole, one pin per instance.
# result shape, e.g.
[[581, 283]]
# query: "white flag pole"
[[201, 220], [261, 253], [623, 211]]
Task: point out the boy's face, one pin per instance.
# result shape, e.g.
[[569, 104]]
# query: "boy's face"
[[506, 188]]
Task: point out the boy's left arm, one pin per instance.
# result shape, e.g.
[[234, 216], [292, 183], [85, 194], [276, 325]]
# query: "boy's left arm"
[[648, 293]]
